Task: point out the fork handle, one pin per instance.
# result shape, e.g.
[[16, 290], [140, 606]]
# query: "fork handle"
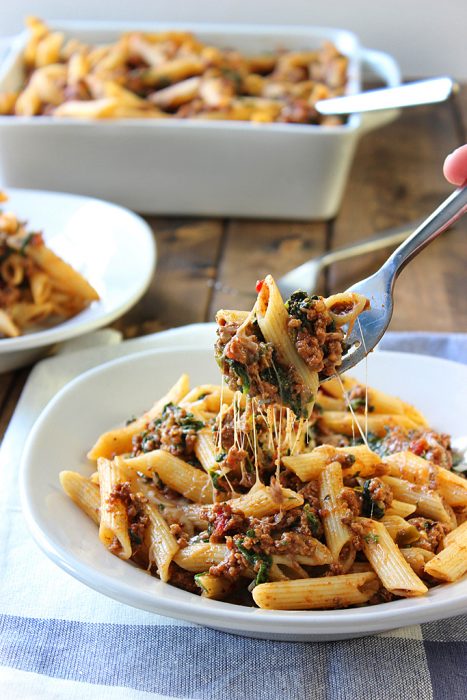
[[444, 216]]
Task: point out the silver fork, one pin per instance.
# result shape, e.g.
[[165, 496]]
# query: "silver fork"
[[378, 288], [306, 276]]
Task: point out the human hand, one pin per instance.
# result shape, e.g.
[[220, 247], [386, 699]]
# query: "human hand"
[[455, 166]]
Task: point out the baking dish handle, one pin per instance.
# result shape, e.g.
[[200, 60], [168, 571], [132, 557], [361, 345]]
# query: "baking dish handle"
[[385, 67]]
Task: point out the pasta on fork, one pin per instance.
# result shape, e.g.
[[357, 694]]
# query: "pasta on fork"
[[278, 351]]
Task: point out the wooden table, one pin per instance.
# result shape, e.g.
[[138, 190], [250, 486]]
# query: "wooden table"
[[206, 264]]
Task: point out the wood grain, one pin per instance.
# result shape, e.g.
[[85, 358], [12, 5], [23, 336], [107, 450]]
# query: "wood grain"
[[181, 288], [397, 177], [460, 112], [252, 249], [11, 398]]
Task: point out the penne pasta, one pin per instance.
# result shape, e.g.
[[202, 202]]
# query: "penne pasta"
[[114, 524], [333, 511], [273, 318], [317, 593], [451, 563], [214, 587], [387, 561], [408, 466], [84, 492], [378, 424], [180, 476], [162, 545], [119, 441], [417, 557], [200, 556], [266, 500], [427, 502]]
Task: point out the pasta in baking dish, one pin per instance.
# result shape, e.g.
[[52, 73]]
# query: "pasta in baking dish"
[[35, 284], [235, 499], [172, 74]]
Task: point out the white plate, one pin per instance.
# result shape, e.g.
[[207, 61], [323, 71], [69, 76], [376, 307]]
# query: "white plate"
[[112, 247], [108, 394]]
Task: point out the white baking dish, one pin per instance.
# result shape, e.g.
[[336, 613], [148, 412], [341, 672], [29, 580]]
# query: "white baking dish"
[[177, 166]]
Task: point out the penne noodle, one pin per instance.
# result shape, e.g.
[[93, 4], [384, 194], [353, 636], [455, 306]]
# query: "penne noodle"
[[205, 450], [162, 545], [338, 535], [215, 587], [265, 500], [61, 273], [378, 424], [417, 557], [456, 535], [452, 487], [402, 532], [180, 476], [451, 563], [114, 525], [84, 492], [119, 441], [273, 318], [408, 466], [387, 561], [427, 502], [345, 307], [41, 287], [317, 593], [400, 508], [200, 556], [7, 326]]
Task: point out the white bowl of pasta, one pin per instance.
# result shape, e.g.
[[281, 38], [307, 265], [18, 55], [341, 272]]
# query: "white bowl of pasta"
[[68, 265], [126, 387]]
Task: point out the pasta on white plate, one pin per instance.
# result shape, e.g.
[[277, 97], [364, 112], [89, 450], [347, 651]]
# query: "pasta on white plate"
[[36, 286], [231, 494]]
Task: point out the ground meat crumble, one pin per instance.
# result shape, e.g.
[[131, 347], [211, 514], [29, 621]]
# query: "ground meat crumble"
[[175, 432], [133, 504]]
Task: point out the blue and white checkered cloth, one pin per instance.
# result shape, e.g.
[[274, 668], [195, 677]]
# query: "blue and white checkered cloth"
[[59, 639]]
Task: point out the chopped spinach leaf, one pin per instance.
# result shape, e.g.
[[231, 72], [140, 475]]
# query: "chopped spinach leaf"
[[215, 476], [241, 372], [371, 507], [199, 582], [371, 538], [253, 558], [312, 520]]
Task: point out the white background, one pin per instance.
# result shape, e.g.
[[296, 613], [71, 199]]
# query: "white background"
[[427, 37]]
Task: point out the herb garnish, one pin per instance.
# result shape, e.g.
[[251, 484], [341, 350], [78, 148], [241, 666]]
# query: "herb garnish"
[[253, 558], [371, 507], [312, 520], [371, 538]]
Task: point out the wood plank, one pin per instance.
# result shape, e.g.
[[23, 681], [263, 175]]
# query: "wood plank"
[[6, 382], [460, 110], [180, 290], [252, 249], [11, 399], [397, 177]]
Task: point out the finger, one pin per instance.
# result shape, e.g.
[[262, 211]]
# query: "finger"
[[455, 166]]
